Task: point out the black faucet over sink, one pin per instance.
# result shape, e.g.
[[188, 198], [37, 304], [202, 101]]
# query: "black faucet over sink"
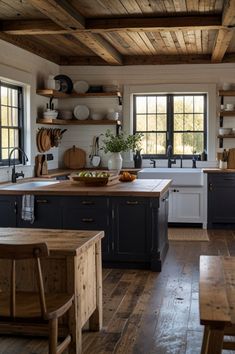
[[171, 161], [14, 174]]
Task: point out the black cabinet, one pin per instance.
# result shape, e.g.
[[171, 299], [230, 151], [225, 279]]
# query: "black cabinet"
[[221, 200], [131, 226], [47, 211], [8, 211], [88, 213]]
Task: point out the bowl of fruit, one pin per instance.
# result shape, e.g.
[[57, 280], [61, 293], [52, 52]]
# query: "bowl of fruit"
[[94, 178]]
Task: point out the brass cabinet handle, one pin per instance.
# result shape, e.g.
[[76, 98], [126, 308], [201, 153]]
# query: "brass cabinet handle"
[[210, 187], [42, 201], [132, 202], [87, 219], [87, 202]]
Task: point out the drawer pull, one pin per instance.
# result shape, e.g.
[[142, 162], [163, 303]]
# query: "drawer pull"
[[132, 202], [210, 187], [87, 220], [87, 202], [42, 201]]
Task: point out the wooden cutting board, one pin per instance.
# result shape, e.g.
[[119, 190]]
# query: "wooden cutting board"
[[231, 158], [74, 158]]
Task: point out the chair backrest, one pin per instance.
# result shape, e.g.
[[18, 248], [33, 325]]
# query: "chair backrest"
[[25, 251]]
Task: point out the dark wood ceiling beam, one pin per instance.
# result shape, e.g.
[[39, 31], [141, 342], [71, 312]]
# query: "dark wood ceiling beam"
[[30, 46], [221, 45], [153, 23], [100, 47], [61, 12], [225, 35], [141, 60], [31, 27]]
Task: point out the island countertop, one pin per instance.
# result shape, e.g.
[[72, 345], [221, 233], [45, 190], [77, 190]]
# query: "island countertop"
[[139, 187]]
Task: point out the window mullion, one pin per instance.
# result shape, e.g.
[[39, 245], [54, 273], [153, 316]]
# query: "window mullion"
[[170, 117]]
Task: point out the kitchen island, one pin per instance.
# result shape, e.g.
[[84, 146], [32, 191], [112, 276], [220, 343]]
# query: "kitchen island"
[[132, 215]]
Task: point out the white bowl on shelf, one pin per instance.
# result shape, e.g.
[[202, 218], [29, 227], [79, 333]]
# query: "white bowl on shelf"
[[225, 131], [112, 115], [50, 114], [97, 116]]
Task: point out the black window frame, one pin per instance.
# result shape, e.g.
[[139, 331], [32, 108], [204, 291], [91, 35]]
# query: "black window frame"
[[170, 122], [19, 127]]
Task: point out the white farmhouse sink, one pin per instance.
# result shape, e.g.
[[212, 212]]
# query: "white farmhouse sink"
[[28, 185], [179, 176]]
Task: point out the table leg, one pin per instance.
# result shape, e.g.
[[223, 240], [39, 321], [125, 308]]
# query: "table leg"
[[215, 340], [96, 319], [75, 326], [205, 340]]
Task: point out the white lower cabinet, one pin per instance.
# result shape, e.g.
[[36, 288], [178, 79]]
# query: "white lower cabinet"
[[186, 205]]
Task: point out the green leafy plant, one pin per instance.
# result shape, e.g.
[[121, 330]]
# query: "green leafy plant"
[[121, 142]]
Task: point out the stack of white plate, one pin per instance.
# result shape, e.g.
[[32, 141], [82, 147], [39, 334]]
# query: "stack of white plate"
[[81, 112], [81, 86]]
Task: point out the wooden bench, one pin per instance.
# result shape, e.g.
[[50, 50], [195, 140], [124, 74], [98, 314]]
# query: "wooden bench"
[[217, 302]]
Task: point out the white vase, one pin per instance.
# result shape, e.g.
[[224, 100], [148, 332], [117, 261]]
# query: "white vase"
[[115, 161]]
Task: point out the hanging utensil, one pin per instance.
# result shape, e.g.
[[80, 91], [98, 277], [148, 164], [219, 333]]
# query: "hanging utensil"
[[96, 158]]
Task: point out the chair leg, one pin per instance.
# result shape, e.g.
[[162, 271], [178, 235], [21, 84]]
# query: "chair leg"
[[53, 335]]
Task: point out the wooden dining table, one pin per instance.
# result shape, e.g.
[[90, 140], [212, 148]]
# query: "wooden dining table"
[[74, 266]]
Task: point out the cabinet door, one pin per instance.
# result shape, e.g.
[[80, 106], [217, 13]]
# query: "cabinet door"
[[88, 213], [8, 211], [131, 229], [47, 212], [221, 199], [186, 205]]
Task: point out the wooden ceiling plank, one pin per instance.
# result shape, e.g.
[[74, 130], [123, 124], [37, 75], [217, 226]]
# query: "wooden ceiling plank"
[[198, 37], [131, 6], [205, 40], [133, 47], [169, 4], [180, 5], [169, 43], [155, 43], [192, 5], [145, 6], [153, 23], [30, 46], [222, 42], [143, 48], [31, 27], [228, 17], [61, 12], [100, 47], [117, 42], [181, 41], [148, 43]]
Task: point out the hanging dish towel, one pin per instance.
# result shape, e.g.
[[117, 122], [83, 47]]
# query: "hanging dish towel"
[[27, 212]]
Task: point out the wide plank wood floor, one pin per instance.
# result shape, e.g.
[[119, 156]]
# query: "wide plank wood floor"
[[146, 312]]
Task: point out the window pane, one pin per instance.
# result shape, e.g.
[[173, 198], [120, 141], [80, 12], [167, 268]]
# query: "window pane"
[[188, 104], [141, 104], [198, 122], [198, 104], [188, 122], [161, 143], [152, 122], [178, 122], [4, 95], [178, 104], [5, 154], [141, 122], [14, 98], [151, 104], [188, 143], [161, 122], [161, 104], [151, 143], [14, 138], [4, 116], [4, 137]]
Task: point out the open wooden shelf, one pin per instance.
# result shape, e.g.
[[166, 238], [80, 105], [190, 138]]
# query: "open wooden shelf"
[[231, 136], [226, 92], [57, 94], [51, 121], [227, 113]]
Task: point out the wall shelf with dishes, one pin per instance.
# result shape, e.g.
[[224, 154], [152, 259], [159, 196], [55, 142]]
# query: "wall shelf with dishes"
[[227, 110], [52, 121]]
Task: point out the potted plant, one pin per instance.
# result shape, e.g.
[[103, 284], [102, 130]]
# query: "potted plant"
[[117, 144]]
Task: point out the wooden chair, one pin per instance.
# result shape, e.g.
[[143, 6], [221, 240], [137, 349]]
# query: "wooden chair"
[[33, 307]]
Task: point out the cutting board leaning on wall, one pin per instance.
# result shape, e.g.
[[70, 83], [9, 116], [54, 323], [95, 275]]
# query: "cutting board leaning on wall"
[[74, 158]]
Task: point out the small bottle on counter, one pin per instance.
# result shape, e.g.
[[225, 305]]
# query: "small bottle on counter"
[[223, 163]]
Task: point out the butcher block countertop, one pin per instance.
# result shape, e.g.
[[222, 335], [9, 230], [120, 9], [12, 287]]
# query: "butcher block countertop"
[[218, 170], [139, 187]]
